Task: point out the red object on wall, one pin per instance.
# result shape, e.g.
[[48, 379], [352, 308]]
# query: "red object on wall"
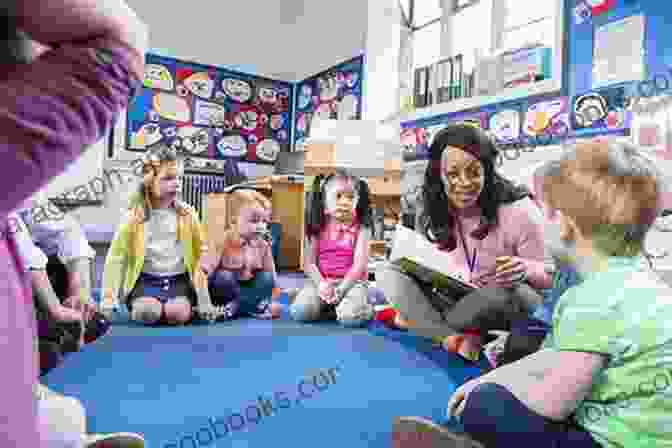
[[602, 7]]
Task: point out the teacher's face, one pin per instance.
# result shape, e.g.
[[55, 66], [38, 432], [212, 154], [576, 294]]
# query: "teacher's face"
[[463, 177]]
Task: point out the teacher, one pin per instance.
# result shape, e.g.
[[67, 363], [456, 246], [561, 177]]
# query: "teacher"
[[491, 232]]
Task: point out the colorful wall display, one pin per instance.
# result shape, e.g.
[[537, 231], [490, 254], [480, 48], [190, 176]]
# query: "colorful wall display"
[[416, 137], [210, 112], [547, 118], [333, 94], [603, 111]]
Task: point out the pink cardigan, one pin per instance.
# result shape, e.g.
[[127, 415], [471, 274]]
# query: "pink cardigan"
[[50, 111], [519, 233]]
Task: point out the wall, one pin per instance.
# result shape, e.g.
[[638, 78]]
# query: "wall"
[[288, 40]]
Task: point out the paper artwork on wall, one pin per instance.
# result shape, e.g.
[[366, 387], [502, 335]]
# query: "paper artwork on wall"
[[504, 125], [548, 118], [600, 111], [417, 137], [333, 94], [618, 53], [210, 112]]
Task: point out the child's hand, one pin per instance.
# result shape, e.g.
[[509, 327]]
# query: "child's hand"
[[327, 292], [62, 313], [87, 309], [108, 305]]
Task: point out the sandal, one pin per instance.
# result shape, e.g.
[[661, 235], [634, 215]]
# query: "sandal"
[[417, 432]]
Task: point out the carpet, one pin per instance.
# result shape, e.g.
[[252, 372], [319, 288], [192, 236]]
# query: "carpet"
[[250, 383]]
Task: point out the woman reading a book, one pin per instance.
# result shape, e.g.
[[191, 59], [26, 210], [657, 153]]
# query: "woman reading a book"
[[490, 232]]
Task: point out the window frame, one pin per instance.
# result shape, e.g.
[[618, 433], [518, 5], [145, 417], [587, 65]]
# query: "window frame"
[[549, 86]]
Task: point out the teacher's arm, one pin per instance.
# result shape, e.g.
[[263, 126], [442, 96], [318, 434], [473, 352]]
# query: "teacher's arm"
[[527, 227]]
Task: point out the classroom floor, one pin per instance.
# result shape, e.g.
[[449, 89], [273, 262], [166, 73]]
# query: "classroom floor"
[[251, 383]]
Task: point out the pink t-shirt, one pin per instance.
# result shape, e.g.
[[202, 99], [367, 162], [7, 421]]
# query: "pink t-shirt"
[[335, 249], [519, 233]]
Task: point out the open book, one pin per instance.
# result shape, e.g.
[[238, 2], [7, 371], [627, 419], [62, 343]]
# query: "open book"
[[421, 259]]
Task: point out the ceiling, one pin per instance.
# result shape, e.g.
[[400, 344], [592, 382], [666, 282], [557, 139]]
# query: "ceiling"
[[288, 40]]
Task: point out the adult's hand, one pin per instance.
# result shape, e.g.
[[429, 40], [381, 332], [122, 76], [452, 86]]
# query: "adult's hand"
[[80, 20], [510, 271]]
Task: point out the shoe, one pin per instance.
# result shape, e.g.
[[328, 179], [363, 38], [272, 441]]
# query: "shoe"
[[96, 328], [417, 432], [116, 440]]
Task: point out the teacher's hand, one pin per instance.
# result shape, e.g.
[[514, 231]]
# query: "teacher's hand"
[[510, 271]]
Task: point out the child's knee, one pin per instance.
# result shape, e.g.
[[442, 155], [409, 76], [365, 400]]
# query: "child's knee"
[[146, 310], [177, 311]]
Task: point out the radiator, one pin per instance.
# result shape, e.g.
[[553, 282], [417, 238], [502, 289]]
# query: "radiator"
[[196, 186]]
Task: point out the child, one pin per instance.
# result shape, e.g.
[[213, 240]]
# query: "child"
[[338, 231], [157, 250], [602, 378], [63, 273], [241, 272]]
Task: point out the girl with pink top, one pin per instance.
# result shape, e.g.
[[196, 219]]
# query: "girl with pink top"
[[338, 231], [492, 233]]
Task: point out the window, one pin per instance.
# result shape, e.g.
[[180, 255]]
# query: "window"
[[425, 11], [405, 6], [427, 45], [533, 24], [461, 4], [470, 33]]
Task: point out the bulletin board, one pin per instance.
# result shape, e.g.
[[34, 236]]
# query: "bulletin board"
[[210, 112], [588, 76], [532, 122], [333, 94]]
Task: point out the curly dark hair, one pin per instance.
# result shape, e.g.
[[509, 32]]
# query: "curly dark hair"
[[315, 209], [438, 220]]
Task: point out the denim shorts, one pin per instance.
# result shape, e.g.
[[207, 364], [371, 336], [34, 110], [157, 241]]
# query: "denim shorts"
[[163, 288]]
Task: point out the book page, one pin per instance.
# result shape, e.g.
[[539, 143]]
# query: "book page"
[[419, 256]]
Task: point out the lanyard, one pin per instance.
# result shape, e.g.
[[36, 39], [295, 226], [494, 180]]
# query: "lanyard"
[[471, 261]]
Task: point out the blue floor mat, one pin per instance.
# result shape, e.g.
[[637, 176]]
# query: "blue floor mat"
[[258, 383]]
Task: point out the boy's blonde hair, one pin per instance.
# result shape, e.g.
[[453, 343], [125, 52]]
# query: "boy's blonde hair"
[[246, 198], [609, 189]]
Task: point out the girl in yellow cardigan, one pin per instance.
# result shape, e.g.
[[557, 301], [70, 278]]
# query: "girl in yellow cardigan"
[[152, 264]]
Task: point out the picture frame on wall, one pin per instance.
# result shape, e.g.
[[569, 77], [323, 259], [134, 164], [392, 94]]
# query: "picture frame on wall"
[[210, 112]]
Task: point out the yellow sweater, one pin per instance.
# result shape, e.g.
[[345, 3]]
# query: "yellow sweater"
[[126, 256]]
